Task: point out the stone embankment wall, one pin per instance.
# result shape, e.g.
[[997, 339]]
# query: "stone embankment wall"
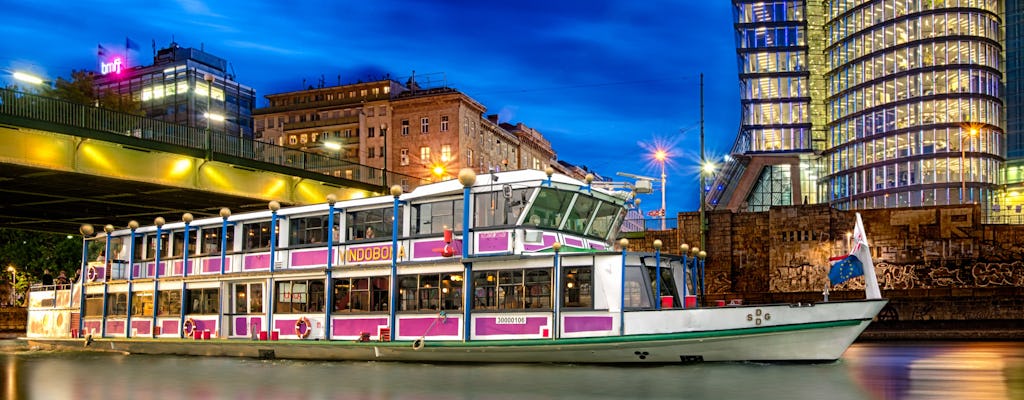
[[13, 319], [934, 263]]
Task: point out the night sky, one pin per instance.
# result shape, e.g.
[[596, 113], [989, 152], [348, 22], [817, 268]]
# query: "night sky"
[[603, 81]]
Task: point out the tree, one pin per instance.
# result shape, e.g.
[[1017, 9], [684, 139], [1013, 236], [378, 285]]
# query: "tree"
[[32, 252], [81, 89]]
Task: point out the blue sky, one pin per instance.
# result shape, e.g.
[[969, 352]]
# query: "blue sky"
[[604, 81]]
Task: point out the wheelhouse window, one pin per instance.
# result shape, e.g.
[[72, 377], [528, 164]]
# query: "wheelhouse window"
[[361, 294], [579, 215], [203, 301], [300, 296], [151, 243], [308, 230], [512, 289], [257, 235], [430, 292], [436, 216], [370, 224], [210, 240], [604, 220], [549, 208], [501, 207], [577, 287], [170, 302]]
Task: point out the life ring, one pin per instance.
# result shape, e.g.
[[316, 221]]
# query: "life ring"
[[189, 327], [302, 327], [418, 344], [91, 274]]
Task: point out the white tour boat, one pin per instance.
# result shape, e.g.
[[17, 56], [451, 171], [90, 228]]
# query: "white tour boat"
[[532, 274]]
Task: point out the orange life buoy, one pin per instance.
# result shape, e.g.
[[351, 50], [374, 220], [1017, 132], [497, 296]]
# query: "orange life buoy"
[[302, 327], [189, 327]]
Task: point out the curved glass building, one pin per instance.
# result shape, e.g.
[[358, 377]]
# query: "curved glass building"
[[866, 104], [913, 107]]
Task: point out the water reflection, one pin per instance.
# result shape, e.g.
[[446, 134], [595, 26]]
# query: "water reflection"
[[939, 370], [867, 371]]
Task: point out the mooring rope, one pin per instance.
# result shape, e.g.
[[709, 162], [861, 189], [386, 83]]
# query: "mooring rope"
[[418, 343]]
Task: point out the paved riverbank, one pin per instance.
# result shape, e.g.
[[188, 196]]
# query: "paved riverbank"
[[944, 330]]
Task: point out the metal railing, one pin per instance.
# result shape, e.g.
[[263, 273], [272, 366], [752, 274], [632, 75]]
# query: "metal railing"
[[144, 130]]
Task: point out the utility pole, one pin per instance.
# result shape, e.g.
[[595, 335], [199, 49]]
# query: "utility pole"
[[703, 221]]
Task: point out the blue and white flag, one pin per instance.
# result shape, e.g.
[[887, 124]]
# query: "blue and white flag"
[[857, 263], [844, 268]]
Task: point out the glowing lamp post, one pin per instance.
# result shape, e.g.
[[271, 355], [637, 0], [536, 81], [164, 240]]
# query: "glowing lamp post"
[[662, 156]]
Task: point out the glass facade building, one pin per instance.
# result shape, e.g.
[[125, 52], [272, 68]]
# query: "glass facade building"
[[866, 104], [174, 89], [913, 102]]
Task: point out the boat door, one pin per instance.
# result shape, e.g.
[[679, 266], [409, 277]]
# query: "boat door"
[[247, 314]]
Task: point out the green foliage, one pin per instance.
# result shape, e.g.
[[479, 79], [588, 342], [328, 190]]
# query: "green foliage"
[[32, 252], [81, 90]]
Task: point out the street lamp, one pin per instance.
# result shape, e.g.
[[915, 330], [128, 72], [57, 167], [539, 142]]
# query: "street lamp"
[[707, 168], [963, 151], [662, 156]]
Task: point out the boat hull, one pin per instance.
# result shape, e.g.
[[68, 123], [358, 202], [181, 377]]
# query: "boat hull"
[[821, 340]]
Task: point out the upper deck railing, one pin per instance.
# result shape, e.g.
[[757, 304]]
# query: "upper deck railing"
[[46, 113]]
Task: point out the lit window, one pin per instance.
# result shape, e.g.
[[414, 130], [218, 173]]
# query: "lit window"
[[425, 154], [293, 140], [305, 138], [446, 153]]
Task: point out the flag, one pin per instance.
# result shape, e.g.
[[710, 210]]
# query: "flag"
[[100, 51], [844, 268], [857, 263], [130, 44], [656, 213]]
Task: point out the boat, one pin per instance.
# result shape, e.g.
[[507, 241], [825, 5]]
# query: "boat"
[[536, 272]]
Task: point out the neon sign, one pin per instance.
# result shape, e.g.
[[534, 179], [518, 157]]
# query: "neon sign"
[[113, 66]]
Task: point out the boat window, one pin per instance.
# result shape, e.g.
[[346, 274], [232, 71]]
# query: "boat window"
[[308, 230], [248, 298], [140, 241], [510, 289], [117, 305], [170, 302], [549, 208], [638, 292], [668, 284], [177, 242], [369, 224], [579, 215], [577, 286], [257, 235], [150, 253], [300, 296], [501, 207], [436, 216], [430, 292], [94, 305], [210, 240], [96, 247], [604, 220], [142, 303], [361, 294], [118, 248], [203, 301]]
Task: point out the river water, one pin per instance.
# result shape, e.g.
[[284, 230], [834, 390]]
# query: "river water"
[[867, 371]]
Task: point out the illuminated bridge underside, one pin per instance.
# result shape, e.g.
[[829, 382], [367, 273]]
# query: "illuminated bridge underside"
[[55, 182]]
